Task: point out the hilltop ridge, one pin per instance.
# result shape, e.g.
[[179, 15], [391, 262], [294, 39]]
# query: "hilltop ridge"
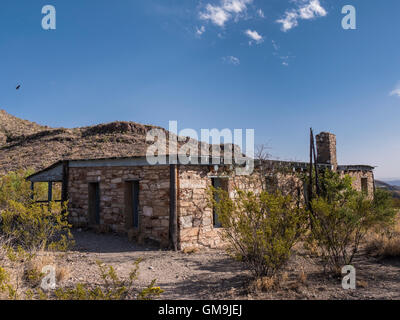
[[28, 145]]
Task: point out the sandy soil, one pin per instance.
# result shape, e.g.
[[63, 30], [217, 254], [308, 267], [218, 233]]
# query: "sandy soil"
[[211, 274]]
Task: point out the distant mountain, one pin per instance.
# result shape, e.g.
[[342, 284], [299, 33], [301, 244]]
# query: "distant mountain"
[[393, 182], [28, 145], [395, 190]]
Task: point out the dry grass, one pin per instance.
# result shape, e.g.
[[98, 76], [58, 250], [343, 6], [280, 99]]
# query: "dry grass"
[[4, 242], [386, 245], [33, 269], [303, 277], [362, 284], [265, 284], [268, 284], [190, 250], [62, 274]]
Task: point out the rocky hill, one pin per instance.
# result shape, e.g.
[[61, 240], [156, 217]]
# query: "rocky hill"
[[27, 145], [12, 127], [394, 190]]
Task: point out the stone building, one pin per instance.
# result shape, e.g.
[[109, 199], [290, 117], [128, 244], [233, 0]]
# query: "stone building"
[[165, 203]]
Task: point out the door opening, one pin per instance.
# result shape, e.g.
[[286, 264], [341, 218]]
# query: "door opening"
[[132, 204], [94, 203], [219, 183]]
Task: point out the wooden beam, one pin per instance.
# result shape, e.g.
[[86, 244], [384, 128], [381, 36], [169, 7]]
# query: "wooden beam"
[[64, 186]]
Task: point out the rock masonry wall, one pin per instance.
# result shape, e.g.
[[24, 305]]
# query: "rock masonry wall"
[[153, 199]]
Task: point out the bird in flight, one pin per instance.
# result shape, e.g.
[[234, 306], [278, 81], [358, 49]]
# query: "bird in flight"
[[18, 86]]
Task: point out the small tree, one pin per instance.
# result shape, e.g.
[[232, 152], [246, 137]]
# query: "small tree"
[[35, 227], [28, 224], [341, 217], [14, 187], [261, 229]]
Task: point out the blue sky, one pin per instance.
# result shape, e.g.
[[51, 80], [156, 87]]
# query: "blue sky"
[[213, 64]]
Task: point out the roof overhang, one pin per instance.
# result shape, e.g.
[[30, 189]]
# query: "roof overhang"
[[53, 173]]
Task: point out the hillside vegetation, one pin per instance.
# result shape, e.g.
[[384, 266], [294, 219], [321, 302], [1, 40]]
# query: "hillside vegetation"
[[28, 145]]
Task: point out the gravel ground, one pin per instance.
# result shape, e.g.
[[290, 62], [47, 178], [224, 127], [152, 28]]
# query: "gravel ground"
[[211, 274]]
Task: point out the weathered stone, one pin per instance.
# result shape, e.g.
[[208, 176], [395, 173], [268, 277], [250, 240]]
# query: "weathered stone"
[[195, 217], [147, 211]]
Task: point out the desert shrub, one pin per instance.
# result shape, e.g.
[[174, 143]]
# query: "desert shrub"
[[28, 224], [6, 286], [14, 187], [260, 229], [3, 279], [22, 276], [35, 227], [10, 283], [396, 203], [33, 267], [113, 287], [341, 217]]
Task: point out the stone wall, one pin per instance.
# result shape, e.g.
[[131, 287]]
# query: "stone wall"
[[357, 178], [154, 184], [195, 217]]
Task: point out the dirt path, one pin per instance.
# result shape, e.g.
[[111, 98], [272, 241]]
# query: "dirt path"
[[211, 274]]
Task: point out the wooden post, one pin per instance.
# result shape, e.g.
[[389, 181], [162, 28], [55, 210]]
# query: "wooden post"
[[64, 190], [173, 220], [310, 173], [50, 192], [315, 164], [32, 190]]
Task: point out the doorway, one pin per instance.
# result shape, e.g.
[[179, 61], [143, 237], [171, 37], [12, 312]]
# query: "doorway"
[[132, 204], [94, 203]]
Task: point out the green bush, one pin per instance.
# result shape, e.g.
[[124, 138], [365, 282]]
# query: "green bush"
[[28, 224], [35, 227], [341, 217], [260, 229], [14, 187]]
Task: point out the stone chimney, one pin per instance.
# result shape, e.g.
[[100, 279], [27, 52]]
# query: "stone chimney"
[[326, 149]]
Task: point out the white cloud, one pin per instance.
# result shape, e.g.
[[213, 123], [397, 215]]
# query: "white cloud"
[[235, 6], [285, 60], [216, 15], [311, 10], [289, 21], [275, 45], [396, 91], [255, 36], [260, 13], [226, 10], [201, 30], [307, 9], [231, 60]]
